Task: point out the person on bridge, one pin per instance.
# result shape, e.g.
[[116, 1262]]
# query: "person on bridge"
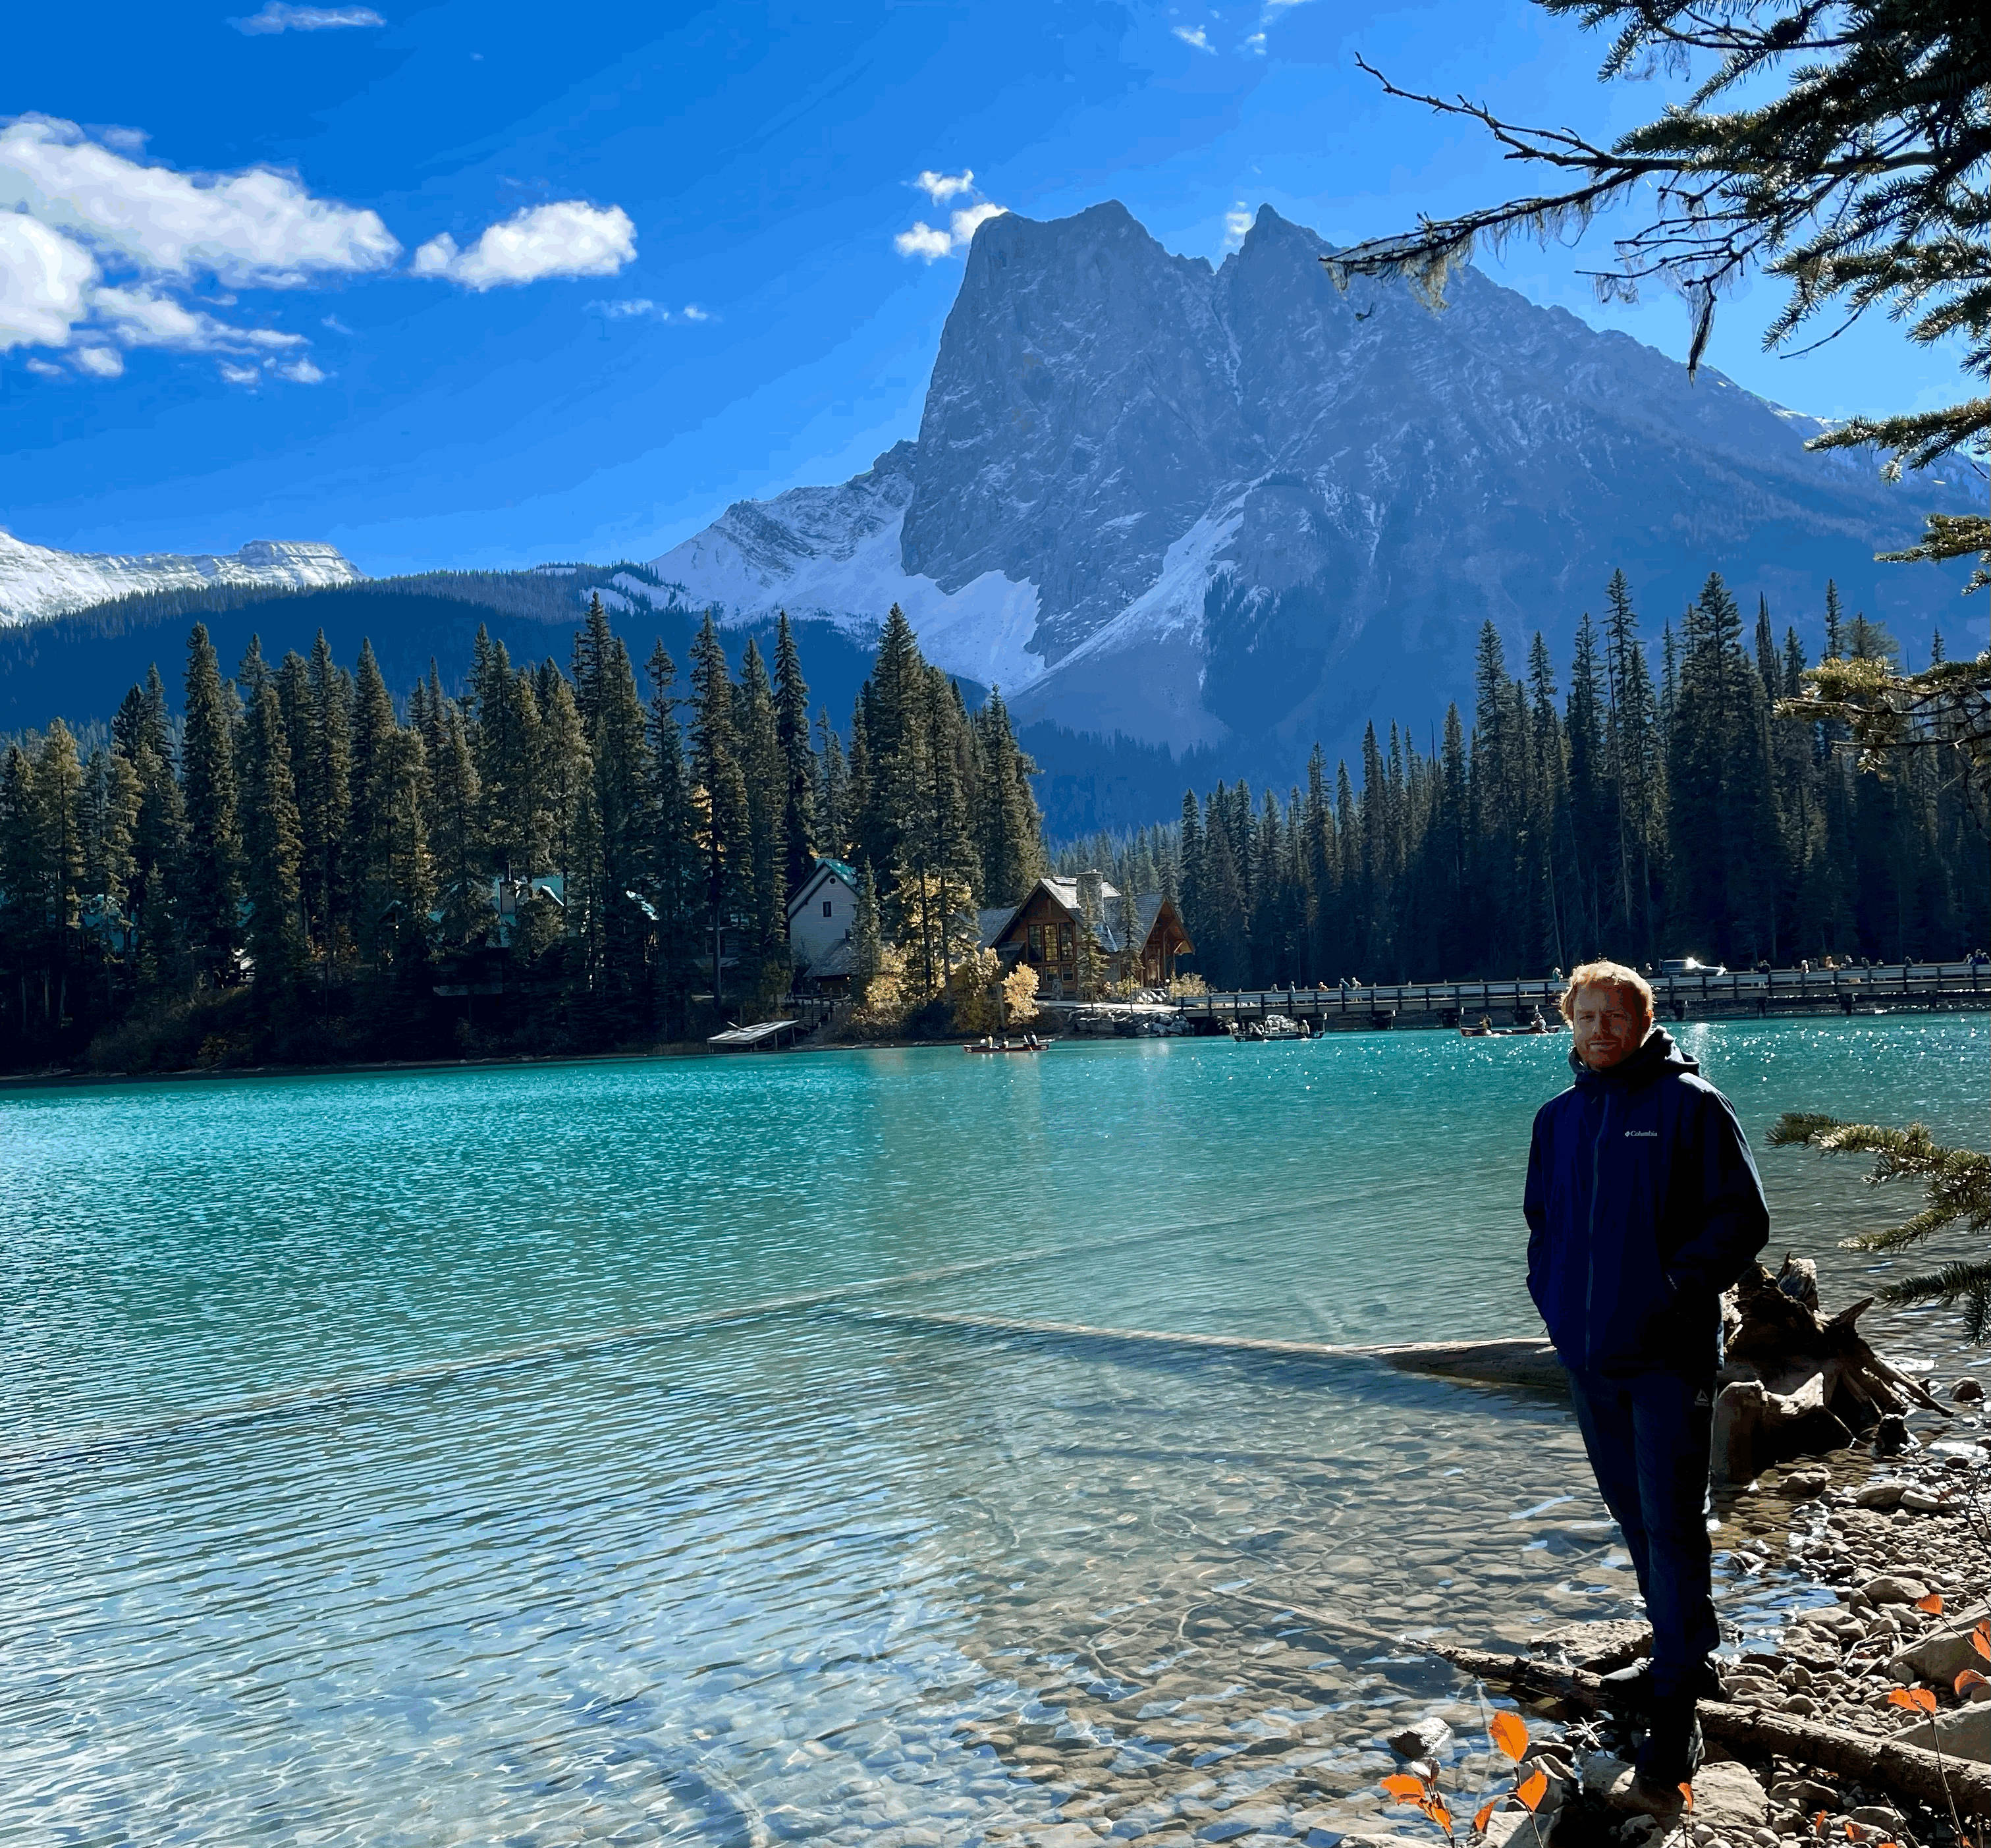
[[1643, 1205]]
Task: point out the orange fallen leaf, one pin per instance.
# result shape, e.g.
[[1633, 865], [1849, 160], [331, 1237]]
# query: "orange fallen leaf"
[[1404, 1788], [1533, 1790], [1818, 1823], [1483, 1813], [1980, 1638], [1510, 1735], [1969, 1678], [1916, 1700], [1686, 1797], [1854, 1832], [1932, 1603]]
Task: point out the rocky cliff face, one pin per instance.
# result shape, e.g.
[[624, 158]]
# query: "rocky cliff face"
[[1204, 505], [37, 581]]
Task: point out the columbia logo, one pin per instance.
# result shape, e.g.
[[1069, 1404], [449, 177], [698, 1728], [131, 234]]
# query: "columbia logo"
[[1700, 1399], [1653, 1133]]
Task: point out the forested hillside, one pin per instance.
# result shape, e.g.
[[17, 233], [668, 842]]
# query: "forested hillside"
[[300, 867], [1638, 815], [301, 870]]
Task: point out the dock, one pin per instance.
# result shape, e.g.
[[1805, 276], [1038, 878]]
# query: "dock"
[[1703, 994]]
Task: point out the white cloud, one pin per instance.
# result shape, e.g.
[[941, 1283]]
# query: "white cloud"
[[642, 308], [942, 187], [45, 284], [74, 207], [257, 227], [44, 369], [1236, 222], [932, 242], [966, 224], [1195, 35], [140, 317], [302, 372], [275, 17], [570, 238], [240, 374], [922, 240]]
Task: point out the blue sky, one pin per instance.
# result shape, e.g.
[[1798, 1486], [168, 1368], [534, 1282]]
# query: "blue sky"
[[283, 318]]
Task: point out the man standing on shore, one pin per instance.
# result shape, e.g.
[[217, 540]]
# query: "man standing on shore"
[[1643, 1205]]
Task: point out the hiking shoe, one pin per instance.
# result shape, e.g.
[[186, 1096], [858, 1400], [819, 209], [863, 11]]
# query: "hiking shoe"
[[1671, 1751], [1632, 1687]]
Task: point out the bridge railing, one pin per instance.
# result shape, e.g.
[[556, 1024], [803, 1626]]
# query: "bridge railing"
[[1731, 985]]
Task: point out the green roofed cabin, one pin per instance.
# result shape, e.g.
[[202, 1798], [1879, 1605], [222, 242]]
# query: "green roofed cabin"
[[820, 916]]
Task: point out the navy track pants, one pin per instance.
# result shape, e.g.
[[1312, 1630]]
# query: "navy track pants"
[[1648, 1434]]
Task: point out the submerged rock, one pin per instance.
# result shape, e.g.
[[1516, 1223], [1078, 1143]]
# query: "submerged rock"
[[1427, 1739]]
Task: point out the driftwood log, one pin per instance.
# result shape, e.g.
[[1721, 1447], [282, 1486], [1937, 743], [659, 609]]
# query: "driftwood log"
[[1796, 1384], [1883, 1762]]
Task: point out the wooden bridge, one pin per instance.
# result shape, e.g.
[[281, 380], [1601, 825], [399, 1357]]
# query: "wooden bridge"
[[1702, 994]]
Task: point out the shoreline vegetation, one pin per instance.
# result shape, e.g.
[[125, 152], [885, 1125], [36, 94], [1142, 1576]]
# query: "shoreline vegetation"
[[297, 869]]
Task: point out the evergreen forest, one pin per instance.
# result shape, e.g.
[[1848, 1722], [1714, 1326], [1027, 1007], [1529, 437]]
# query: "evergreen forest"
[[296, 866], [1638, 815]]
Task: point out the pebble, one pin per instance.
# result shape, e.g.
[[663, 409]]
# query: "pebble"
[[1889, 1590], [1887, 1492], [1966, 1391]]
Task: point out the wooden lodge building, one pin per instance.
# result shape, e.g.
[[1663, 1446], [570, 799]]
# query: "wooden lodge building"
[[1043, 931]]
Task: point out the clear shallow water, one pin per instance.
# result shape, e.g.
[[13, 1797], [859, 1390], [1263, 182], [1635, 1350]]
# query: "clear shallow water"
[[419, 1459]]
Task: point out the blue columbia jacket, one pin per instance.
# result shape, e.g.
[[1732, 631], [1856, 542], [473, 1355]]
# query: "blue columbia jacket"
[[1643, 1206]]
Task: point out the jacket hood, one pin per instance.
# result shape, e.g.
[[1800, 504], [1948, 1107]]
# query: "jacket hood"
[[1660, 1053]]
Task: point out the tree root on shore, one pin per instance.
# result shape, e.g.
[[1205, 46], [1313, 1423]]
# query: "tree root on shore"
[[1886, 1763]]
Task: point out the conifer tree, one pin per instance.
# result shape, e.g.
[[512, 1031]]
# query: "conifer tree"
[[798, 769], [832, 798], [272, 845], [111, 796], [60, 830], [765, 914], [211, 870], [674, 883], [1010, 846], [727, 828], [23, 908], [463, 890]]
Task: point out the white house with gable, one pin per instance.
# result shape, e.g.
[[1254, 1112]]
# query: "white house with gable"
[[820, 918]]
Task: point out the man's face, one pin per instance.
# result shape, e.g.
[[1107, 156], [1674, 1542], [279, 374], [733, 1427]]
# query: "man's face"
[[1608, 1026]]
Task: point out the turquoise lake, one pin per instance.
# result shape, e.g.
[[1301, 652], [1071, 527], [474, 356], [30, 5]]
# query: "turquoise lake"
[[626, 1451]]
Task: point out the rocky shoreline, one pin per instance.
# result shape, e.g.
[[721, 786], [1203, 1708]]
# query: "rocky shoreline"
[[1875, 1542]]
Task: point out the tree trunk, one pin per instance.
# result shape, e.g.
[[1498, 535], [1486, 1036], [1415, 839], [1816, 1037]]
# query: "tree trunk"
[[1884, 1762]]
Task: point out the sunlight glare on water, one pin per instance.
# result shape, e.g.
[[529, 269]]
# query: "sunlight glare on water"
[[574, 1453]]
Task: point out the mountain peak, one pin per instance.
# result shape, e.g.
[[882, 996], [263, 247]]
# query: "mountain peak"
[[1198, 505], [37, 580]]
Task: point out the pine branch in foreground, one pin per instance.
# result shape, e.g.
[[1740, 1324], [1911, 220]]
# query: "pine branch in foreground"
[[1957, 1188]]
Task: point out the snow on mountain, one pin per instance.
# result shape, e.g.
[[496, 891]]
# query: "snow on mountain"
[[1200, 504], [833, 555], [37, 581]]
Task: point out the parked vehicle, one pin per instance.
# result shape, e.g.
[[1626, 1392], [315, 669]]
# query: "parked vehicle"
[[1691, 965]]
